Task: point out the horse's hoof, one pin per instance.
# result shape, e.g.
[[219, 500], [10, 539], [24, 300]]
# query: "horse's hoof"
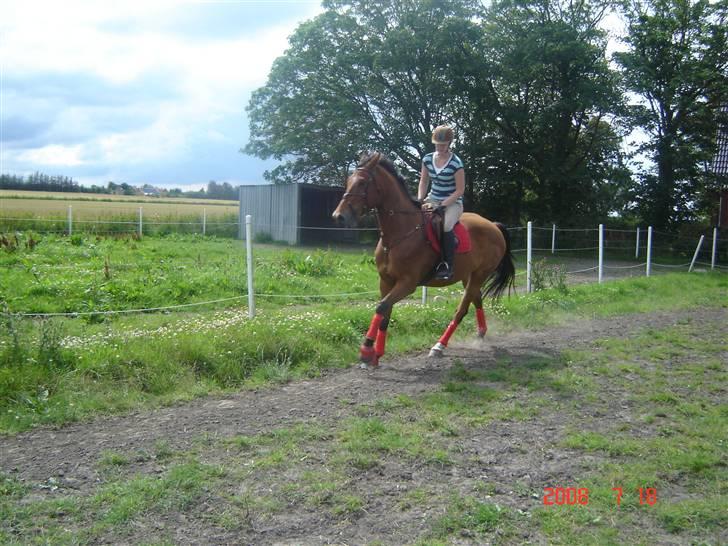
[[368, 366], [368, 356], [436, 351], [481, 334]]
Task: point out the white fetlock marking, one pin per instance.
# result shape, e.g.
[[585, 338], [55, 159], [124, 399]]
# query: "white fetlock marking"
[[437, 349]]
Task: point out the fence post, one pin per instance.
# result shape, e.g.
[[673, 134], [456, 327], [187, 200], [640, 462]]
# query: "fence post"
[[204, 221], [249, 254], [528, 257], [140, 222], [637, 246], [601, 252], [424, 295], [553, 240], [649, 250], [70, 221], [714, 252], [697, 249]]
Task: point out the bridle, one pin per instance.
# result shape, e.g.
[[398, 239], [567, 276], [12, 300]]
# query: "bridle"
[[365, 194]]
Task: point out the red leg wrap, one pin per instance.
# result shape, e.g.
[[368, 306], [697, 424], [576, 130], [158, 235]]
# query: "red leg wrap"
[[368, 355], [448, 332], [381, 341], [482, 325], [374, 326]]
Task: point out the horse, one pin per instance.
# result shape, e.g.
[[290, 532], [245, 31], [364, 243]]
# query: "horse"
[[405, 258]]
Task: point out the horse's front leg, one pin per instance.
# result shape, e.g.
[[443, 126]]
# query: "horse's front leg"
[[375, 339]]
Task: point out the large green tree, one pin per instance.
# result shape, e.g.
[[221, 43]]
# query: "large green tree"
[[525, 83], [367, 74], [676, 64], [546, 99]]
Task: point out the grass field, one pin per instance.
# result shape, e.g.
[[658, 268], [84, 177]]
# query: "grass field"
[[104, 214], [301, 323], [73, 196], [466, 461], [644, 417], [88, 207]]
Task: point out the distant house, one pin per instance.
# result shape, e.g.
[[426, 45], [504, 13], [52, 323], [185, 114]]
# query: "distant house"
[[150, 191], [293, 213]]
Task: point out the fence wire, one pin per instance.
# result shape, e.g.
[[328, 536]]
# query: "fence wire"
[[625, 252]]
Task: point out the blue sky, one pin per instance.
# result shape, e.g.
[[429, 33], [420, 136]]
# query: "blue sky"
[[138, 91]]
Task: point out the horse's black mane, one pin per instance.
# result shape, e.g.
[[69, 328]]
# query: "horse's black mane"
[[388, 166]]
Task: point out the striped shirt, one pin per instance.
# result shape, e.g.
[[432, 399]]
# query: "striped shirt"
[[442, 180]]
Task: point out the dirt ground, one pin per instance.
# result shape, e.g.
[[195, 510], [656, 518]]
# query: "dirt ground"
[[503, 453]]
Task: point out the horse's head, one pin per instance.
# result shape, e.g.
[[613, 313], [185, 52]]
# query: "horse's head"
[[361, 193]]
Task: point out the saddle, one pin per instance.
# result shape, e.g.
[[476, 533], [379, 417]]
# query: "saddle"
[[433, 228]]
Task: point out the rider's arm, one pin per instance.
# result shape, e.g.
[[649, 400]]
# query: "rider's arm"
[[424, 183]]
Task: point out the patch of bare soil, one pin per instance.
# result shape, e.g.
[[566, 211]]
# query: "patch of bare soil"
[[517, 458]]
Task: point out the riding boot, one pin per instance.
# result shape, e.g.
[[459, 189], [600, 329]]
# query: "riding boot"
[[444, 270]]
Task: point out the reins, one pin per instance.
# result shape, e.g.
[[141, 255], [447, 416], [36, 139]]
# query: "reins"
[[405, 236], [389, 212]]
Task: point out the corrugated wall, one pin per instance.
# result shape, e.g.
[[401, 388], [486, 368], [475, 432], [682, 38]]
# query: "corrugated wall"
[[275, 211]]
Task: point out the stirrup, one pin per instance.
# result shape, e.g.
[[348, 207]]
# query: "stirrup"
[[443, 272]]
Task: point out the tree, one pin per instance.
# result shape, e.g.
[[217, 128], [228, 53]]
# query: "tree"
[[367, 74], [545, 100], [525, 83], [677, 65]]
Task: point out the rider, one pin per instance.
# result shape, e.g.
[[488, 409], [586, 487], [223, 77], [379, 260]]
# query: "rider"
[[447, 174]]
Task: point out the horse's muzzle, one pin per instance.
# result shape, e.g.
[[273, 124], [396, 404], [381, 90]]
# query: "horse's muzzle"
[[344, 218]]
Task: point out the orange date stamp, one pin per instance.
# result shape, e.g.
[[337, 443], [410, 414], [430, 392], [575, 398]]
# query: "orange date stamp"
[[570, 496]]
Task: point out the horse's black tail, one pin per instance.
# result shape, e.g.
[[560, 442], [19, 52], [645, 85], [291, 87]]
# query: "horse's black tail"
[[505, 274]]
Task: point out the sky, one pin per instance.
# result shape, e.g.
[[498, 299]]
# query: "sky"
[[140, 91]]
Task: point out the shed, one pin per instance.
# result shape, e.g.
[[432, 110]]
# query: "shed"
[[293, 213]]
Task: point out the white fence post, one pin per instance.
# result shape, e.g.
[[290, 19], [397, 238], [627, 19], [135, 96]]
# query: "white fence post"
[[70, 221], [649, 250], [249, 254], [553, 240], [637, 246], [697, 250], [601, 252], [204, 221], [528, 257], [424, 295], [140, 222], [714, 252]]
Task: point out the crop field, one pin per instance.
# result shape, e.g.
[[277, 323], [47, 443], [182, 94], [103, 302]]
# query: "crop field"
[[590, 414], [80, 196], [95, 207], [47, 212]]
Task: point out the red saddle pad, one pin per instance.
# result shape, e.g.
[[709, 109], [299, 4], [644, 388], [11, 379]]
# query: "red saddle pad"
[[461, 233]]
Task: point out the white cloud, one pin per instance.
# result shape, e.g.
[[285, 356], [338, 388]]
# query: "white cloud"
[[54, 155], [186, 88]]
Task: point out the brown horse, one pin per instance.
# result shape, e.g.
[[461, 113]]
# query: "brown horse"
[[405, 258]]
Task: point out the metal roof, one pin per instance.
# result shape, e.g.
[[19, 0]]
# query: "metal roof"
[[720, 160]]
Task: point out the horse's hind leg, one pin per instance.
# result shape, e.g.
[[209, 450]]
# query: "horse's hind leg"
[[472, 294], [480, 315]]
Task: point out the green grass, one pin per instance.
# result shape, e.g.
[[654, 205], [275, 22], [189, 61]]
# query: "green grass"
[[674, 444], [60, 370]]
